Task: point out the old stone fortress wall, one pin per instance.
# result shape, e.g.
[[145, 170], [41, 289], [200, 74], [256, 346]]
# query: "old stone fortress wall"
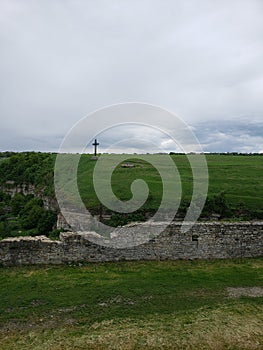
[[205, 240]]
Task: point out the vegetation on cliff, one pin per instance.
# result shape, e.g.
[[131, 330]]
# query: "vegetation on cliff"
[[24, 213], [28, 168]]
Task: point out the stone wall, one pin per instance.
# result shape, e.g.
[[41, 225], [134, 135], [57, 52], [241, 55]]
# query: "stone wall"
[[205, 240]]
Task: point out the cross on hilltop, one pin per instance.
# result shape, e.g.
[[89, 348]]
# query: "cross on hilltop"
[[95, 144]]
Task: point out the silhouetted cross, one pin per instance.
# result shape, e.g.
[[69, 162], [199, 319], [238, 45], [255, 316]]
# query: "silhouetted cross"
[[95, 144]]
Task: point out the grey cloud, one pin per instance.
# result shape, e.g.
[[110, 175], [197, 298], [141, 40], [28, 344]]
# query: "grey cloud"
[[11, 140], [214, 136], [135, 139], [228, 136], [60, 60]]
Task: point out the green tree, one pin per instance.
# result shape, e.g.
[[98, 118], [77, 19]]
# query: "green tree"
[[46, 222], [17, 203], [30, 218]]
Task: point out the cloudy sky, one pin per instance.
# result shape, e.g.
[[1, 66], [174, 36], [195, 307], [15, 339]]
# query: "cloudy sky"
[[62, 59]]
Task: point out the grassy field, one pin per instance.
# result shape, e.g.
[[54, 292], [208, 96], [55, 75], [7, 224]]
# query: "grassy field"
[[133, 305], [240, 177], [235, 189]]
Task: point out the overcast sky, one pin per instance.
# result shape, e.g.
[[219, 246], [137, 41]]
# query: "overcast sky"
[[62, 59]]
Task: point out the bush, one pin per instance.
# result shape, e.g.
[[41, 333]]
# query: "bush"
[[217, 205], [17, 203], [30, 218], [46, 222], [54, 235]]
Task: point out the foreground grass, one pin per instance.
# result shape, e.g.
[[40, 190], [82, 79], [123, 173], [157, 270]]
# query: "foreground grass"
[[131, 305]]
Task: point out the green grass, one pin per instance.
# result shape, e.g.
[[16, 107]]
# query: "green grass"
[[240, 177], [131, 305]]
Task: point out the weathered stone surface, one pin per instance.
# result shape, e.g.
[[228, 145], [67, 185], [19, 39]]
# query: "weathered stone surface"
[[205, 240], [10, 188]]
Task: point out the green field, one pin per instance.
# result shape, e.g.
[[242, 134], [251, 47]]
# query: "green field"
[[133, 305], [240, 178], [235, 189]]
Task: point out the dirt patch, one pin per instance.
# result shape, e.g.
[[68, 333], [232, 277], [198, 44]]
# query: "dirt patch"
[[238, 292], [117, 300]]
